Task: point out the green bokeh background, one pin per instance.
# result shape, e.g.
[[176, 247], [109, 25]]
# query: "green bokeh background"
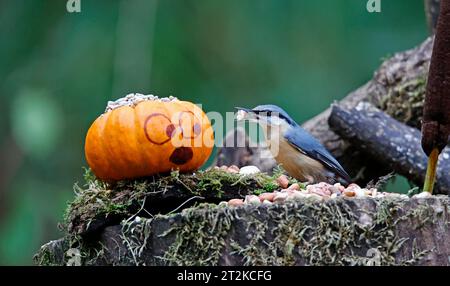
[[58, 70]]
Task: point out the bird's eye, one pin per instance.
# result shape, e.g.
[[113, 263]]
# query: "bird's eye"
[[266, 113]]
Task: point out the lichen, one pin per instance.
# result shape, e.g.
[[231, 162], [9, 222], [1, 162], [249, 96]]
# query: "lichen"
[[72, 250], [200, 238], [404, 101], [47, 256], [308, 233]]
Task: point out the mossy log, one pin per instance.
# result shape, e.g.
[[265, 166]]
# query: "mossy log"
[[390, 142], [342, 231], [100, 204]]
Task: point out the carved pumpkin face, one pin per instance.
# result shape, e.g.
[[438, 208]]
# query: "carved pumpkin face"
[[148, 138]]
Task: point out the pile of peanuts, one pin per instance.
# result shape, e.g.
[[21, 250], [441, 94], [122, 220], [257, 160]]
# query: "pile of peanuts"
[[246, 170], [294, 192]]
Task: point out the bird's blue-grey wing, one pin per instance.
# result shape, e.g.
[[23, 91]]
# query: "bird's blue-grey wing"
[[307, 144]]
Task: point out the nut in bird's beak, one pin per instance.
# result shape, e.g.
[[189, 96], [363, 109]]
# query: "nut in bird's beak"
[[244, 114]]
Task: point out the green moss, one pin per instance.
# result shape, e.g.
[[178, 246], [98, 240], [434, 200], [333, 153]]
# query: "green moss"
[[97, 199], [404, 101], [46, 257], [258, 191]]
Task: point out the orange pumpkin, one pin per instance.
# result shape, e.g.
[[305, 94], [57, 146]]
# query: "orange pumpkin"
[[140, 138]]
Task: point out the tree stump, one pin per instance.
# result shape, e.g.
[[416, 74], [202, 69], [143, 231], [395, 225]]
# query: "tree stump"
[[343, 231]]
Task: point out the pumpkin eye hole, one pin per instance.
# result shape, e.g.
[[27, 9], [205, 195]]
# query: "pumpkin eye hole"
[[189, 124], [197, 128], [170, 129], [158, 128]]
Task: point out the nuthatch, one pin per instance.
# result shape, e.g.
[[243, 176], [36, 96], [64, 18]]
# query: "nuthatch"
[[299, 153]]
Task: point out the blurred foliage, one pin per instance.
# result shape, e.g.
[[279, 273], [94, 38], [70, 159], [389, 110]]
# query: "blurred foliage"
[[35, 123], [58, 70]]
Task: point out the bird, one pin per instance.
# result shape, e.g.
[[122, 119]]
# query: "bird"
[[301, 155]]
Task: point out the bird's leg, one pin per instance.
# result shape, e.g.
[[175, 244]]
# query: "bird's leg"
[[430, 177]]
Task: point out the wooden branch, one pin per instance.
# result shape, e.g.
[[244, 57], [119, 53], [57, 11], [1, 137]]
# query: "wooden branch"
[[390, 142]]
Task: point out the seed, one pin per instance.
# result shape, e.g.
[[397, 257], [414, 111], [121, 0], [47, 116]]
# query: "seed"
[[249, 170], [267, 196], [348, 193], [360, 193], [252, 200], [422, 195], [334, 190], [233, 169], [294, 186], [374, 192], [283, 181], [280, 197], [235, 202]]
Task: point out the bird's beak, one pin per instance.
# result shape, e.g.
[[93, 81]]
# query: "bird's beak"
[[244, 114]]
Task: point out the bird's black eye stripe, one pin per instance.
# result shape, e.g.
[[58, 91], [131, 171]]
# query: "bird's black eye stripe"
[[266, 112], [269, 113]]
